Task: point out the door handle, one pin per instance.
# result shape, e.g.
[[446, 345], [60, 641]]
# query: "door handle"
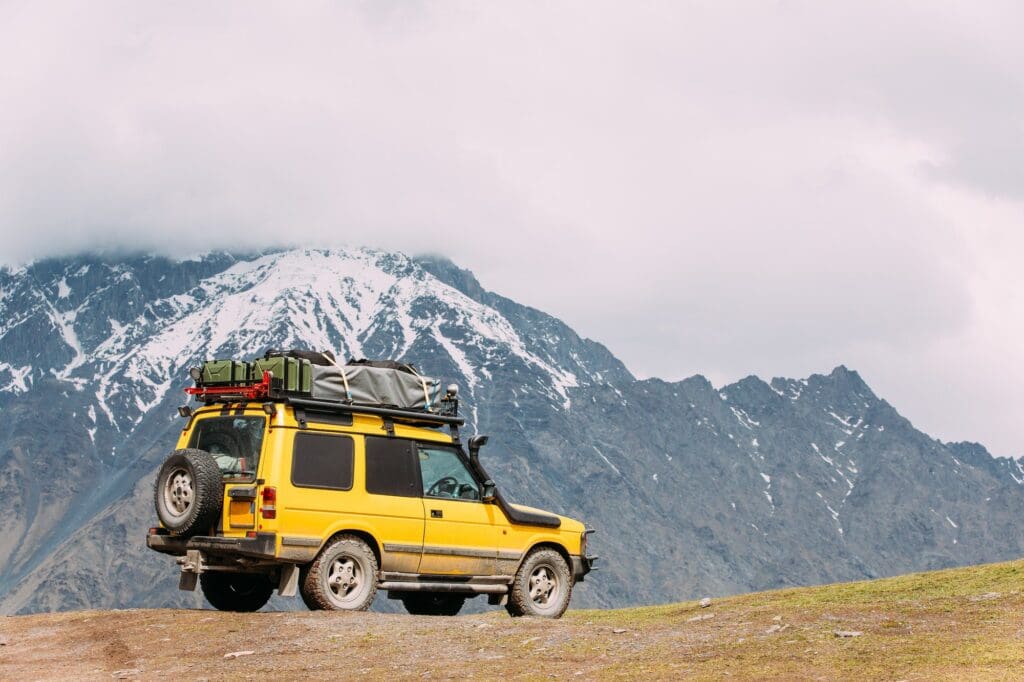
[[436, 514]]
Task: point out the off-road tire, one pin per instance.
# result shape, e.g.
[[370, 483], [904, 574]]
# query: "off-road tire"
[[343, 577], [236, 591], [307, 599], [542, 586], [189, 493], [433, 603]]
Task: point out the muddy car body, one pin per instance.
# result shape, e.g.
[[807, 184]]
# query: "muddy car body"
[[337, 502]]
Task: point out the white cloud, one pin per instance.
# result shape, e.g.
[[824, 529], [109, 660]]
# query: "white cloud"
[[704, 187]]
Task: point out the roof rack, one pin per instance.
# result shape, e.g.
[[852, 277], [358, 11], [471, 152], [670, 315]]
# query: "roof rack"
[[263, 391], [391, 412]]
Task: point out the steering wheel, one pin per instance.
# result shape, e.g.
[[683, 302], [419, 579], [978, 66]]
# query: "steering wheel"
[[435, 490]]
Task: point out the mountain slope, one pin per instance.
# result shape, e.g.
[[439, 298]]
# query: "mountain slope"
[[751, 486]]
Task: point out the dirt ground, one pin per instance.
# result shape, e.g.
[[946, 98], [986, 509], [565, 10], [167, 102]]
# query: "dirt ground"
[[956, 624]]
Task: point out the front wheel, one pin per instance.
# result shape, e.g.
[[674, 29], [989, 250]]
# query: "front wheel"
[[432, 603], [343, 577], [236, 591], [542, 586]]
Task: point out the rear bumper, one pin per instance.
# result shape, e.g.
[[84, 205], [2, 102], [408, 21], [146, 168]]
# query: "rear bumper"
[[263, 546], [581, 565]]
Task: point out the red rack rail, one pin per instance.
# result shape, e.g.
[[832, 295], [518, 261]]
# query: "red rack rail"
[[243, 391]]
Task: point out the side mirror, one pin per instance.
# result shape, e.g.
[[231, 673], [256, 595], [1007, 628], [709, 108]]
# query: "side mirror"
[[489, 490], [475, 443]]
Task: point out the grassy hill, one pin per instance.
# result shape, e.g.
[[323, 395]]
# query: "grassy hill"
[[952, 624]]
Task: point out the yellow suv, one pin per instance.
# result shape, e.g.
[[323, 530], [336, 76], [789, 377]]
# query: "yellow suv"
[[336, 502]]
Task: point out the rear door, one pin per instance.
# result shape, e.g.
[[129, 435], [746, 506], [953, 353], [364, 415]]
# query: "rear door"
[[236, 442], [460, 532]]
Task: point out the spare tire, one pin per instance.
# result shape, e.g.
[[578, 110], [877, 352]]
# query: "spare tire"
[[189, 492]]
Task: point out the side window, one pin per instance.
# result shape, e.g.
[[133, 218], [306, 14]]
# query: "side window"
[[321, 461], [444, 474], [391, 467]]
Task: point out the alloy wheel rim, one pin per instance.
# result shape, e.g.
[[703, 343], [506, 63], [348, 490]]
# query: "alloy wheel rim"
[[345, 579], [179, 492], [544, 587]]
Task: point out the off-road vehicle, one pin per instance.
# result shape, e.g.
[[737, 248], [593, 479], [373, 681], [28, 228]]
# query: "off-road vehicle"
[[271, 488]]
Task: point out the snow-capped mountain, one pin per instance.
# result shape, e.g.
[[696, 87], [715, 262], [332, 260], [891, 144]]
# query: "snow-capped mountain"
[[362, 303], [694, 490]]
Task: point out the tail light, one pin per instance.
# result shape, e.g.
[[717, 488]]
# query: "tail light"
[[268, 506]]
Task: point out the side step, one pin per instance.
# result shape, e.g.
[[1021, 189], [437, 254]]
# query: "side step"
[[427, 586]]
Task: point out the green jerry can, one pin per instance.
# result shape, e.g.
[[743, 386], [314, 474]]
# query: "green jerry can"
[[293, 375], [224, 372]]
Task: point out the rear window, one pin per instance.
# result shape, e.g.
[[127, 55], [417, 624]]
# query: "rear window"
[[234, 442], [320, 461]]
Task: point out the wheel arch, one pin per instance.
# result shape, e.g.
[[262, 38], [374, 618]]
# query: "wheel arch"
[[547, 544], [363, 535]]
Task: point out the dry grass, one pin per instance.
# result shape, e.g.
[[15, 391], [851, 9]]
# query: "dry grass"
[[955, 624]]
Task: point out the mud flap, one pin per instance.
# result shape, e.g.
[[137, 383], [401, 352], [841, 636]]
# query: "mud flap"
[[288, 586], [188, 581], [192, 565]]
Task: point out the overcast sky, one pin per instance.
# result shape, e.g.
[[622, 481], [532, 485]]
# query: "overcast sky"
[[768, 188]]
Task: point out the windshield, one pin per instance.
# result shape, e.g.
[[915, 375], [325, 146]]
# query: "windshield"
[[234, 442]]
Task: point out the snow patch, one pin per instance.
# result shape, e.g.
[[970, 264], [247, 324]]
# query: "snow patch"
[[20, 378], [457, 355], [743, 418], [607, 461], [767, 491]]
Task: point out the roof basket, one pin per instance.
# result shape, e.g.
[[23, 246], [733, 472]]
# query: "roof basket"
[[392, 390]]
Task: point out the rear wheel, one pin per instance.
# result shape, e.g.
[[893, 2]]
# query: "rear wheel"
[[343, 577], [236, 591], [432, 603], [542, 586], [189, 492]]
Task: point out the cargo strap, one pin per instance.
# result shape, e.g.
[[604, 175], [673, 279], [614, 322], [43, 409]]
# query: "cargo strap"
[[423, 383], [344, 378]]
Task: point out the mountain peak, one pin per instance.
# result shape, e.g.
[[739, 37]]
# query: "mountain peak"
[[450, 273], [844, 379], [844, 373], [749, 383], [129, 329]]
